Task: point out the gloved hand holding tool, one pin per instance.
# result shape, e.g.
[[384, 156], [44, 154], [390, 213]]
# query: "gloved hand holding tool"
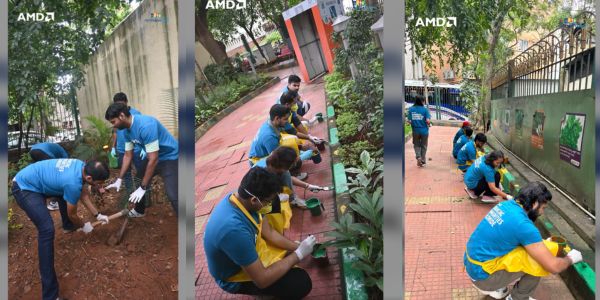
[[306, 247]]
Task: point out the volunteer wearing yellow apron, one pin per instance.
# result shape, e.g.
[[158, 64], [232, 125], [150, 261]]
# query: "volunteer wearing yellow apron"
[[482, 178], [468, 152], [506, 246], [268, 136], [244, 254], [301, 107], [294, 125]]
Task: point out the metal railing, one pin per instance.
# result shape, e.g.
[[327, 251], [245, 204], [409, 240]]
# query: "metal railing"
[[445, 103], [562, 61]]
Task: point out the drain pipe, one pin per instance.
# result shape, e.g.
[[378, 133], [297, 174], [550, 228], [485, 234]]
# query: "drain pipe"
[[548, 181]]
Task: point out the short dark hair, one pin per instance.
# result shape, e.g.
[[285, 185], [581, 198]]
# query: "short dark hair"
[[294, 79], [419, 100], [97, 169], [120, 97], [282, 158], [278, 110], [115, 109], [261, 183], [468, 131], [533, 192], [288, 97], [492, 156], [481, 137]]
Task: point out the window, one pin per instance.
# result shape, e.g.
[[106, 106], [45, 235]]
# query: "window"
[[523, 44]]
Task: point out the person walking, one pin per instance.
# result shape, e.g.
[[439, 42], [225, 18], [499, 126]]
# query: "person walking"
[[419, 119]]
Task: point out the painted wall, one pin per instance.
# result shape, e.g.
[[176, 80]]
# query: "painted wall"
[[578, 181], [140, 58]]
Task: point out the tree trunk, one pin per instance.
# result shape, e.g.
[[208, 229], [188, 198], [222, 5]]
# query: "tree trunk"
[[489, 69], [251, 35], [21, 116], [205, 37], [29, 126]]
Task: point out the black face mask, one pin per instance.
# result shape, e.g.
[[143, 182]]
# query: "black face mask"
[[533, 214]]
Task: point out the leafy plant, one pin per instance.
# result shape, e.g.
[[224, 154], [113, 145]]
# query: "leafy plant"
[[368, 176], [570, 133], [350, 153], [23, 162], [11, 221], [90, 145], [348, 124], [218, 74]]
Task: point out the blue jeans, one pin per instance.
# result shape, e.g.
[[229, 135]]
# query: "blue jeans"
[[34, 205], [168, 170]]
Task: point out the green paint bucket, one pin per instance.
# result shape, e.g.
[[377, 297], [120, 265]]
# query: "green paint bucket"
[[319, 254], [562, 243], [113, 162], [315, 206]]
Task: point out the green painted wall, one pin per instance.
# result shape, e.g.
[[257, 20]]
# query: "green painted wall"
[[577, 181]]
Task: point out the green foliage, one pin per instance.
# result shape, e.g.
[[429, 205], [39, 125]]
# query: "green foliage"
[[273, 37], [407, 129], [348, 124], [350, 153], [218, 74], [90, 144], [23, 162], [367, 176], [570, 133], [11, 221]]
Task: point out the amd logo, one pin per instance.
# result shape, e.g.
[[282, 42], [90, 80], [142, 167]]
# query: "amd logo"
[[226, 4], [39, 17], [437, 22]]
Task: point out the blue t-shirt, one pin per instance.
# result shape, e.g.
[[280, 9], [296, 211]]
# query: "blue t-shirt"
[[479, 169], [503, 229], [265, 141], [463, 140], [229, 242], [286, 177], [417, 116], [51, 149], [121, 136], [466, 153], [53, 177], [151, 135], [457, 135]]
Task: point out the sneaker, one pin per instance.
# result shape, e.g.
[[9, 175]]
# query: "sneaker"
[[301, 176], [489, 199], [134, 214], [471, 193], [52, 205], [301, 203], [497, 294], [419, 163], [424, 162]]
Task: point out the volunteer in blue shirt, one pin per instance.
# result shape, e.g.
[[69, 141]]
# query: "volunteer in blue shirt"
[[508, 225], [460, 132], [468, 152], [268, 135], [235, 242], [118, 146], [64, 179], [301, 107], [463, 140], [43, 151], [294, 125], [419, 119], [162, 152], [482, 178]]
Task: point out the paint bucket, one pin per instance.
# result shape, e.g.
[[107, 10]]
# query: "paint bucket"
[[562, 243], [315, 206], [319, 254], [321, 145], [316, 157]]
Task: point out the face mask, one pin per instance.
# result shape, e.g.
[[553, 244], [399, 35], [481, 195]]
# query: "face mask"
[[265, 209]]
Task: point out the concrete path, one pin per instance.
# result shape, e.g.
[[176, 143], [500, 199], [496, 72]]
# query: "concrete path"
[[222, 161], [439, 220]]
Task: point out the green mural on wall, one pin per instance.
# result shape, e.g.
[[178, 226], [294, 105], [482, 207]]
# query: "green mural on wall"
[[519, 115], [537, 130], [571, 138]]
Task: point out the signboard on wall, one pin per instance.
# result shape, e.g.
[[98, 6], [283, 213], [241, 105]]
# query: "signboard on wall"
[[537, 130], [571, 138], [330, 9], [519, 123]]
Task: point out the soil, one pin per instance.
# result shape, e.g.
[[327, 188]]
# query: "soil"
[[142, 266]]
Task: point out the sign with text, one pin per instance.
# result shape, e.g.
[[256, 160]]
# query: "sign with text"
[[571, 138]]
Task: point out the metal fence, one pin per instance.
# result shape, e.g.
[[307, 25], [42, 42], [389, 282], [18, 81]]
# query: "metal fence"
[[444, 103], [562, 61]]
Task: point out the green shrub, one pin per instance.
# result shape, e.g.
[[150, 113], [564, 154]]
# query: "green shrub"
[[23, 162], [11, 221], [350, 153], [90, 144], [218, 74], [273, 37], [348, 124]]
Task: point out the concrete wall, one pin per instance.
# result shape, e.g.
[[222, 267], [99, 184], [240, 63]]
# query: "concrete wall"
[[140, 58], [578, 181]]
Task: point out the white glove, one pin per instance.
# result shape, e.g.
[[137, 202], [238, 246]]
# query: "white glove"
[[306, 247], [284, 197], [575, 256], [509, 197], [102, 218], [136, 196], [115, 185], [305, 105], [87, 227], [314, 187], [314, 139]]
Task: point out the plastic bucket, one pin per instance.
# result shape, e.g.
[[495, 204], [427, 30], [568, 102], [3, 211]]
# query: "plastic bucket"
[[319, 254], [562, 243], [315, 206], [316, 158], [321, 146], [113, 162]]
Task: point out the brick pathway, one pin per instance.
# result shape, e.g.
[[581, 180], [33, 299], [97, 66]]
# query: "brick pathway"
[[221, 162], [439, 220]]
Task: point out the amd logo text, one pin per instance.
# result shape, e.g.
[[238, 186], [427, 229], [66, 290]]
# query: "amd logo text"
[[437, 22], [39, 17], [226, 4]]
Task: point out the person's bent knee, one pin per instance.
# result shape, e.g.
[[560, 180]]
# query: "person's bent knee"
[[303, 283]]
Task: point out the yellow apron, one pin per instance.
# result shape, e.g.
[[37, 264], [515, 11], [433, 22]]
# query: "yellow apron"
[[280, 221], [267, 254], [291, 141], [517, 260]]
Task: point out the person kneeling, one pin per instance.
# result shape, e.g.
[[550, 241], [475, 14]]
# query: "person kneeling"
[[483, 179], [244, 254], [506, 246]]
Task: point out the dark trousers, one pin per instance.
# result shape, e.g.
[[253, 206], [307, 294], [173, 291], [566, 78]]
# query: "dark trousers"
[[38, 155], [420, 144], [501, 279], [295, 170], [301, 111], [128, 178], [483, 187], [295, 284], [34, 205], [168, 171]]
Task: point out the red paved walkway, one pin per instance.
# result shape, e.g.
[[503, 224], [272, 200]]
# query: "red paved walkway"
[[439, 220], [221, 162]]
